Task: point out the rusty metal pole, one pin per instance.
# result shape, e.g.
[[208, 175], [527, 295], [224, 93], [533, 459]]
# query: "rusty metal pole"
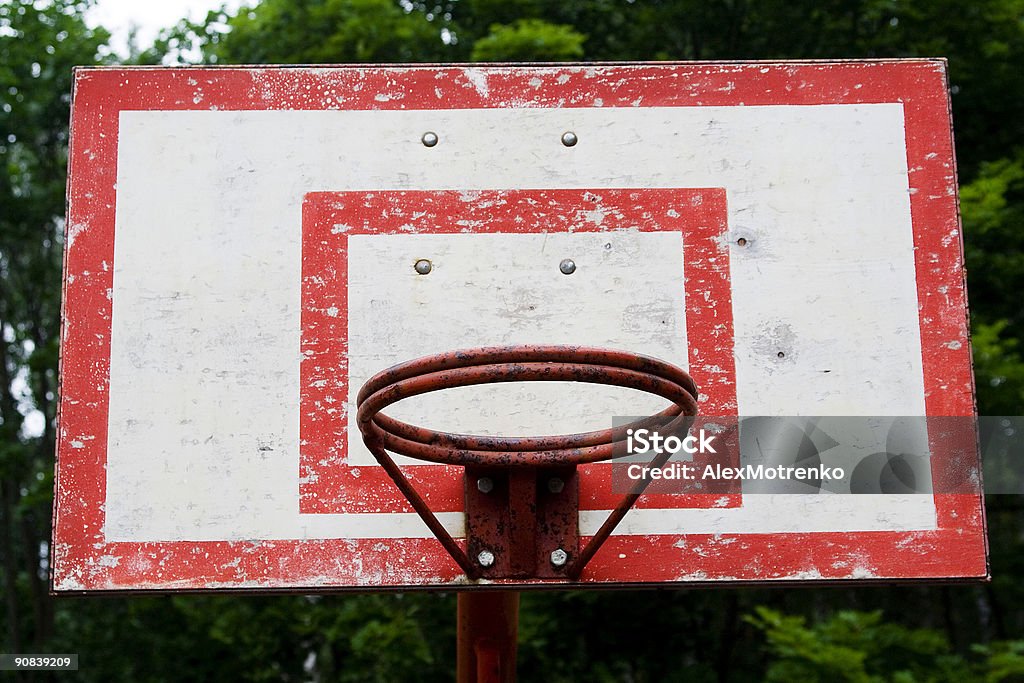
[[488, 625]]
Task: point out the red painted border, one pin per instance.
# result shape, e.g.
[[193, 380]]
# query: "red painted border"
[[329, 484], [956, 549]]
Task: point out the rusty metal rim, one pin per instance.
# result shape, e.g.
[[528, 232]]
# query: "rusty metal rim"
[[525, 443], [586, 355], [515, 364]]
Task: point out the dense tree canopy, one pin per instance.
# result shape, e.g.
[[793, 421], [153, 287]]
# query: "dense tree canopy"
[[39, 45], [878, 634]]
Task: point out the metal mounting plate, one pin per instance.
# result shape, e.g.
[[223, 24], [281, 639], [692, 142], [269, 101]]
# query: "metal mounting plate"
[[525, 515]]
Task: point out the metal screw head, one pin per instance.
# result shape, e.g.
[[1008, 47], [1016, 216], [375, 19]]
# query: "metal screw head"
[[559, 557], [429, 139], [567, 266], [555, 485], [569, 138], [485, 558], [423, 266], [485, 484]]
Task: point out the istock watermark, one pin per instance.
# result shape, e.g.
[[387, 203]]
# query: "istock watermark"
[[639, 441], [892, 455]]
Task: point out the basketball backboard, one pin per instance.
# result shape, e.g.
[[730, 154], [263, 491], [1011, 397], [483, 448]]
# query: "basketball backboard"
[[246, 247]]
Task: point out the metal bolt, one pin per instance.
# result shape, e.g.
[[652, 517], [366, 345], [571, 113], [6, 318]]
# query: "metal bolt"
[[559, 557], [429, 139], [569, 138], [486, 558], [555, 485], [423, 266], [485, 484], [567, 266], [742, 241]]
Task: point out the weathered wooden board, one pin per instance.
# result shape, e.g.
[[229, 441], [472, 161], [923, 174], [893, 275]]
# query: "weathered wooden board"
[[240, 258]]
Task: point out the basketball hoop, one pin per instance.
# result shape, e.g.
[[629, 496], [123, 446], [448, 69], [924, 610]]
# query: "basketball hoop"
[[513, 468]]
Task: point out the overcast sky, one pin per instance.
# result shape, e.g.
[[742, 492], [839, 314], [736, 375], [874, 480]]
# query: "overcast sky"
[[118, 16]]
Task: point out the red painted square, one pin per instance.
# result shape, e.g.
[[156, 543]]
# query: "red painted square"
[[329, 484]]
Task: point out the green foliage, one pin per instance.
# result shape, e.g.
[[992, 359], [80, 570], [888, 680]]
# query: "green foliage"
[[1003, 662], [856, 647], [325, 31], [307, 32], [388, 638], [998, 369], [860, 647], [992, 206], [348, 639], [667, 636], [40, 42], [993, 217], [529, 40]]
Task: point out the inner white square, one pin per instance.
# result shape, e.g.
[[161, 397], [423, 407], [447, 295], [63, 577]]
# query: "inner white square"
[[626, 292]]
